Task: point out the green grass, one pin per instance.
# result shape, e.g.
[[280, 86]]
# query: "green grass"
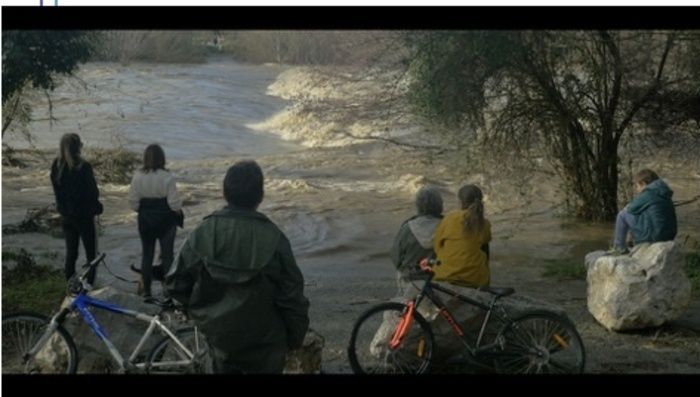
[[29, 286], [692, 268], [564, 269], [570, 269]]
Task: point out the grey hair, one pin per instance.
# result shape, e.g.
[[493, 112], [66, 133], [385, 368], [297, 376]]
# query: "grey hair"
[[429, 201]]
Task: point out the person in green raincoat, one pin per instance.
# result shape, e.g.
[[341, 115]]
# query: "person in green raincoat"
[[238, 279]]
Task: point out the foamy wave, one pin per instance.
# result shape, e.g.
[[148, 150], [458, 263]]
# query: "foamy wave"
[[288, 184], [329, 110], [310, 84], [409, 183]]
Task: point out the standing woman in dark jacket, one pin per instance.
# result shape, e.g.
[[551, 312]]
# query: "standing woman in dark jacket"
[[77, 201], [154, 195]]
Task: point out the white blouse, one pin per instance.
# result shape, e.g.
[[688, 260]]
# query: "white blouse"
[[154, 184]]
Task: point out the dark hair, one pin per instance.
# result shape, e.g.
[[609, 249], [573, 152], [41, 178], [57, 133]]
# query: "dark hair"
[[429, 201], [470, 196], [68, 154], [153, 158], [646, 175], [243, 184]]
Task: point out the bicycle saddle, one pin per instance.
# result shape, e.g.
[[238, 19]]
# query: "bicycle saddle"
[[498, 291]]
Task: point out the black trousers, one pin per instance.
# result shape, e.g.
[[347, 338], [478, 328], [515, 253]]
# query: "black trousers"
[[74, 230], [148, 245]]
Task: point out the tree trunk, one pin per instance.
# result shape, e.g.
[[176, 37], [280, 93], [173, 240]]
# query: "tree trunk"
[[596, 191], [591, 176], [607, 185], [9, 118], [607, 172]]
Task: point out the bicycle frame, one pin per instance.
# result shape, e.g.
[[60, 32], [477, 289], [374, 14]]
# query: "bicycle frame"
[[428, 291], [81, 303], [397, 337]]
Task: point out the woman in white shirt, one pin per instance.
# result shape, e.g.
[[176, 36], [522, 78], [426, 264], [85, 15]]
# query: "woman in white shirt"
[[154, 195]]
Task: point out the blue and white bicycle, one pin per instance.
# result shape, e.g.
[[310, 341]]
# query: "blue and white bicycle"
[[32, 343]]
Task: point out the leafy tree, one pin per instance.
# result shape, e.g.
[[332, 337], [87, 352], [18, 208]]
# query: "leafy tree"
[[35, 58], [572, 94], [161, 46]]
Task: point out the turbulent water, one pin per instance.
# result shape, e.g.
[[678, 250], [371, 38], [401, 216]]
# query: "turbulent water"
[[340, 206], [193, 111]]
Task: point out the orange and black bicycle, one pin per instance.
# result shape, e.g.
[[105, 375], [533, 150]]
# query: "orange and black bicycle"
[[394, 338]]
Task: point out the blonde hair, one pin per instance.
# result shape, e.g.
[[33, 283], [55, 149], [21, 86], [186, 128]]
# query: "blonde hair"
[[470, 196], [68, 154]]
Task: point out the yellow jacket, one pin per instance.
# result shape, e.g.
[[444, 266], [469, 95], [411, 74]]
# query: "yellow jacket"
[[463, 260]]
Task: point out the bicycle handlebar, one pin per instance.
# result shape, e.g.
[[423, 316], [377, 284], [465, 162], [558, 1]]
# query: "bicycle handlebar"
[[96, 260], [91, 265], [426, 264]]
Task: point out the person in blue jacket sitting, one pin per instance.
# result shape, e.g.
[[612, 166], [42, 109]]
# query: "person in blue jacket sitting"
[[650, 217]]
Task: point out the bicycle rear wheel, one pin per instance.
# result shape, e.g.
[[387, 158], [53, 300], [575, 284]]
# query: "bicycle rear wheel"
[[167, 357], [370, 350], [20, 332], [541, 343]]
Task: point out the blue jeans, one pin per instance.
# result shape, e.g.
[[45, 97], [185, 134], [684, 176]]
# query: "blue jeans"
[[623, 225]]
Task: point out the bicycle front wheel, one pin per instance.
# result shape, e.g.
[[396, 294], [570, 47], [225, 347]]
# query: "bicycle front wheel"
[[168, 357], [541, 343], [371, 351], [21, 332]]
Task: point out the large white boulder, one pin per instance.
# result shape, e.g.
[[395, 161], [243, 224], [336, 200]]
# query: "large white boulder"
[[644, 289]]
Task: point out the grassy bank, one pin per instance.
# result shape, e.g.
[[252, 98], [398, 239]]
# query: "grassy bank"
[[28, 286], [564, 269], [570, 269]]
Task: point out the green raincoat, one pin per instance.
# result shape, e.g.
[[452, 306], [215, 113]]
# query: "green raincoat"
[[237, 276]]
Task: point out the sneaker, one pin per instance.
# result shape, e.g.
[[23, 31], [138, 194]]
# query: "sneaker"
[[139, 288], [617, 252]]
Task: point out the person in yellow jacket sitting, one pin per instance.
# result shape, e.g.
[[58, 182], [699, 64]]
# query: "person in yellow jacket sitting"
[[461, 242]]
